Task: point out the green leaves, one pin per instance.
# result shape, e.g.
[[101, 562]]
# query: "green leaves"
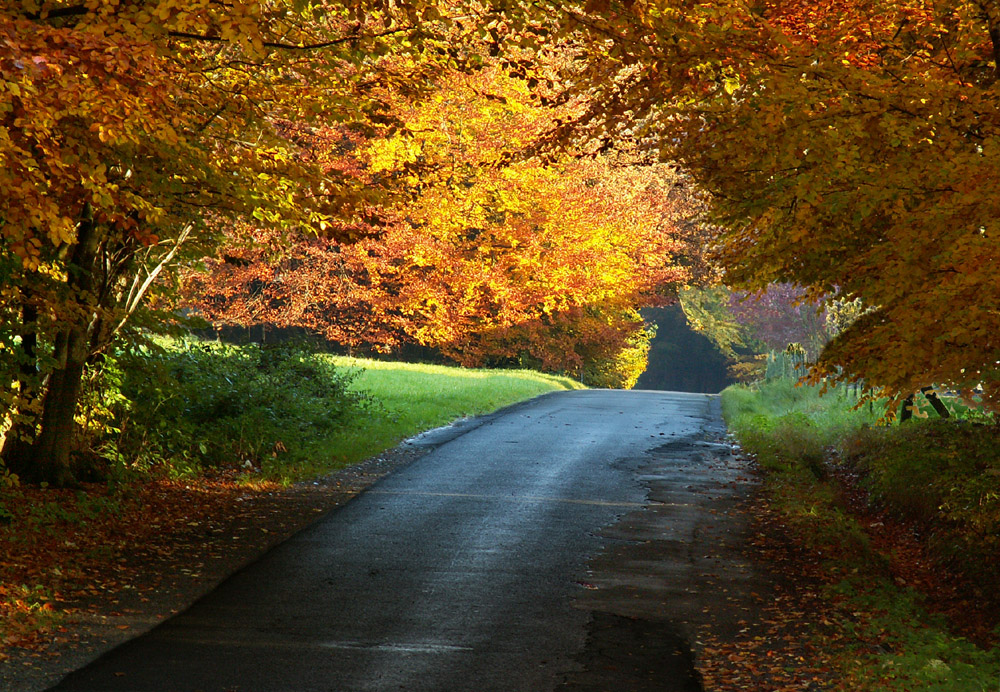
[[216, 405]]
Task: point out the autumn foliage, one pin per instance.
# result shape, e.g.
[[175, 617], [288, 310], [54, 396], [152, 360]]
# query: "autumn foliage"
[[850, 148], [531, 262], [128, 131], [847, 147]]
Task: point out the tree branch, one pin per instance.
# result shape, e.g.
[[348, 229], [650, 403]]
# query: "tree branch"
[[138, 291], [292, 46]]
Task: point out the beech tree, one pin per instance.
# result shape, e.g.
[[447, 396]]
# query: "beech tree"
[[487, 258], [849, 147], [122, 125]]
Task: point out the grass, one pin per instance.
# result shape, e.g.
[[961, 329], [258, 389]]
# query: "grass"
[[937, 475], [279, 413], [411, 398]]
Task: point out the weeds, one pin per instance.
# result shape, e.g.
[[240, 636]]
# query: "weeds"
[[25, 609], [915, 651]]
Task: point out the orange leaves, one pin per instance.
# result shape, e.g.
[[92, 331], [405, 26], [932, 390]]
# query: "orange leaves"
[[479, 252], [854, 155], [173, 99], [129, 129], [514, 260], [70, 95]]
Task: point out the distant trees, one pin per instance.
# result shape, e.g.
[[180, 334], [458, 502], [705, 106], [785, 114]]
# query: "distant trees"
[[745, 326]]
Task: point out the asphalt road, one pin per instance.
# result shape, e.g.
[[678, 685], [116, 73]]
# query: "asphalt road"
[[488, 564]]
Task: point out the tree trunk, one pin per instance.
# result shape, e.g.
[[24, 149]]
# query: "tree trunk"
[[936, 402], [49, 457], [50, 453], [907, 413]]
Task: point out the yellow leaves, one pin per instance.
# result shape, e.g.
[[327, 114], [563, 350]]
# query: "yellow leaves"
[[26, 248], [105, 133], [388, 154]]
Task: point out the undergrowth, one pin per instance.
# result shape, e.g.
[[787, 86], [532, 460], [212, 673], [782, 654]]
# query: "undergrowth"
[[185, 407], [945, 479], [941, 476]]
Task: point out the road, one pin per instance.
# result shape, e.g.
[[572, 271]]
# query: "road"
[[498, 561]]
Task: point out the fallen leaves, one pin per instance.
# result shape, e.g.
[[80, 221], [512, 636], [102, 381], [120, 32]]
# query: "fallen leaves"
[[803, 634], [123, 565], [108, 550], [783, 644]]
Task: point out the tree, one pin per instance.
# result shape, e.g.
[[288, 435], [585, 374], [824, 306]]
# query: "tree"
[[850, 147], [130, 130], [782, 315], [485, 257]]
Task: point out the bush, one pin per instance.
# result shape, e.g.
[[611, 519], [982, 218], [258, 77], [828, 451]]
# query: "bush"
[[945, 476], [193, 405]]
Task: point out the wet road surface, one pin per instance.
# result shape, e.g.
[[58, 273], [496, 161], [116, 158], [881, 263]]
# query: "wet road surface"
[[499, 561]]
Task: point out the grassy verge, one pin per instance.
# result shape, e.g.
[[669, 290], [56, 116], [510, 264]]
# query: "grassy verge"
[[937, 479], [411, 398], [280, 413]]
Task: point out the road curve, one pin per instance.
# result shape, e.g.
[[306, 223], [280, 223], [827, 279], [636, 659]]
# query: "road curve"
[[458, 572]]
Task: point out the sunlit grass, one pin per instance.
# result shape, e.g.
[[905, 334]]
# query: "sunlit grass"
[[409, 398]]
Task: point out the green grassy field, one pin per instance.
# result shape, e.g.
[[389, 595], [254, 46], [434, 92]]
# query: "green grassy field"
[[413, 397]]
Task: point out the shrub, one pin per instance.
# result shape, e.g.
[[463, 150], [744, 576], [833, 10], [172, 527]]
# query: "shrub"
[[943, 475], [194, 404]]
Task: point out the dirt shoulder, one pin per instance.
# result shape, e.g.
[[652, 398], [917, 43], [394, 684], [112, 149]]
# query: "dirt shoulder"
[[134, 588]]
